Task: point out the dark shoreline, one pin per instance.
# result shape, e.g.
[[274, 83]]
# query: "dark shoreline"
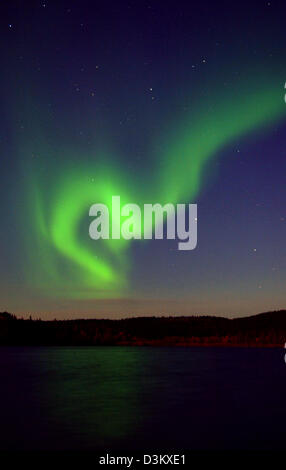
[[259, 331]]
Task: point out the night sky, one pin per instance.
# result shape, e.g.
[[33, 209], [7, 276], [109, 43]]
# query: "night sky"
[[155, 101]]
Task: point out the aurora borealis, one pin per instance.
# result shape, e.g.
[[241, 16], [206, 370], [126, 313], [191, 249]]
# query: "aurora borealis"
[[94, 108], [101, 269]]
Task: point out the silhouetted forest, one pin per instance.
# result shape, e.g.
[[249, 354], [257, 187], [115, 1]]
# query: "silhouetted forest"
[[265, 329]]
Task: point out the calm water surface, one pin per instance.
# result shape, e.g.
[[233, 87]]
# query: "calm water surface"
[[142, 398]]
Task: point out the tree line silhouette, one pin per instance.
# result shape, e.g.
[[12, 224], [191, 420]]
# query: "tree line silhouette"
[[265, 329]]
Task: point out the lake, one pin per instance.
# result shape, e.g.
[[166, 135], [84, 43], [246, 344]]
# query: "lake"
[[136, 398]]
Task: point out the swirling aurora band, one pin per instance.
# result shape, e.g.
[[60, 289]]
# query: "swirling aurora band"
[[71, 265]]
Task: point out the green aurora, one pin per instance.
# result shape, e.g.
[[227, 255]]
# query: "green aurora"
[[63, 261]]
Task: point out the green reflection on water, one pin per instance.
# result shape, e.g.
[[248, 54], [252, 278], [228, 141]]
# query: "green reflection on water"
[[91, 394]]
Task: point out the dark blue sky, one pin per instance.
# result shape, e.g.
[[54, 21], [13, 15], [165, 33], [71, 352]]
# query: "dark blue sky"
[[80, 76]]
